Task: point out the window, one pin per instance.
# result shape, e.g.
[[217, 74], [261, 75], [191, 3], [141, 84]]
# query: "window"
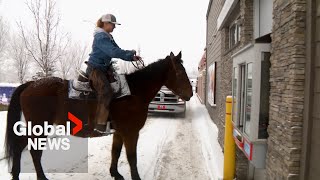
[[264, 96], [248, 98], [251, 91], [234, 33], [234, 94], [212, 84], [242, 96]]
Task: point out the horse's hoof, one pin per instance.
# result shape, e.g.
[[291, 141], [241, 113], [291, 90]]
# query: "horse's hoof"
[[117, 177], [42, 178]]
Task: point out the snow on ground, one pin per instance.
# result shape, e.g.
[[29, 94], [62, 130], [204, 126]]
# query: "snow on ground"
[[168, 148], [3, 120]]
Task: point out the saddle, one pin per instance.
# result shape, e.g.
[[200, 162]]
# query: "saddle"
[[81, 88]]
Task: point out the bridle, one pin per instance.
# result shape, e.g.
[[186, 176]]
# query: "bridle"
[[136, 65], [177, 74]]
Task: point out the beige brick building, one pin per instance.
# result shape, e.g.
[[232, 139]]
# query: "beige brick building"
[[267, 55], [201, 78]]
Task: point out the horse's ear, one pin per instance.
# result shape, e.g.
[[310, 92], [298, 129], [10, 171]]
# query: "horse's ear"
[[179, 55], [171, 55], [172, 61]]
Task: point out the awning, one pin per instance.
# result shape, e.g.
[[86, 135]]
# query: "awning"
[[225, 12]]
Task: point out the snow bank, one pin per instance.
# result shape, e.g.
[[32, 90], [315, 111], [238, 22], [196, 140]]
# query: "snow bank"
[[3, 125], [208, 131]]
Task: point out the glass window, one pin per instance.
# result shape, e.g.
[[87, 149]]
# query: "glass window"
[[242, 87], [264, 96], [211, 97], [248, 99], [242, 96], [234, 33], [234, 94]]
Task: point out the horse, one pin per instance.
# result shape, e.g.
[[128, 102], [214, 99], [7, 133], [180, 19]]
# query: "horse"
[[128, 114]]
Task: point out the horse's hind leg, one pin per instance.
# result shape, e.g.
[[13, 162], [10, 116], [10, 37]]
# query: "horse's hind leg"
[[116, 151], [130, 143], [36, 157], [16, 160]]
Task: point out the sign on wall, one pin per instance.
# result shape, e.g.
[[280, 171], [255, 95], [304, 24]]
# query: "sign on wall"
[[212, 84]]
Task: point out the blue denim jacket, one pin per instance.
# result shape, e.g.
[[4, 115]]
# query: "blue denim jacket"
[[104, 48]]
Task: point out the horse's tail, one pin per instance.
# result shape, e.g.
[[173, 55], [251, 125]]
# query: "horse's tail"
[[13, 116]]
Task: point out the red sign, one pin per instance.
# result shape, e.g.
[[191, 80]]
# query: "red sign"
[[247, 149]]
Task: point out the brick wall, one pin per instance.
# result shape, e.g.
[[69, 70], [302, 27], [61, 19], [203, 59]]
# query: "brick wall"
[[246, 11], [287, 89], [218, 51], [314, 168], [214, 55], [200, 87]]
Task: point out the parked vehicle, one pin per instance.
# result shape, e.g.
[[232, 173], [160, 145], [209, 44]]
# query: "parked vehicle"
[[167, 102], [193, 82]]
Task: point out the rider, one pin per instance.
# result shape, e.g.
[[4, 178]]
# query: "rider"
[[104, 48]]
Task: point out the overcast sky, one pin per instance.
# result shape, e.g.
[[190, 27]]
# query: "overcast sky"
[[157, 26]]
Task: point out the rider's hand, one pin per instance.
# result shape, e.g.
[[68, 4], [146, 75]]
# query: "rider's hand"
[[134, 52], [137, 58]]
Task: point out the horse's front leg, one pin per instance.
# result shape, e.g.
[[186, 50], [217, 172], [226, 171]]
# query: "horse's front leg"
[[115, 152], [130, 143]]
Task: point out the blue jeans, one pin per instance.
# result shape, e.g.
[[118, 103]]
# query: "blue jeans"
[[100, 84]]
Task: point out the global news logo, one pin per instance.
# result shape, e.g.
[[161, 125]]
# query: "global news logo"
[[37, 135]]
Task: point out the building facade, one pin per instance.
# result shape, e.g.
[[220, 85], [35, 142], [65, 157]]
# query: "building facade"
[[266, 54], [293, 149], [201, 78], [229, 29]]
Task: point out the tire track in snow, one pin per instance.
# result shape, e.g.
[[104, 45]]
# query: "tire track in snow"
[[181, 157], [156, 123]]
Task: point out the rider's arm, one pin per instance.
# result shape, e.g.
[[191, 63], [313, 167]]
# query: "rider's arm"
[[111, 49]]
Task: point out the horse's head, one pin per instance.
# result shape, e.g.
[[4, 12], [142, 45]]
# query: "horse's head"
[[178, 81]]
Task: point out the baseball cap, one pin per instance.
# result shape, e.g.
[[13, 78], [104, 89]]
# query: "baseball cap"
[[109, 18]]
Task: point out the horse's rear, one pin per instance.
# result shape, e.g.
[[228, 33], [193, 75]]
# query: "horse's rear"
[[40, 101], [44, 100]]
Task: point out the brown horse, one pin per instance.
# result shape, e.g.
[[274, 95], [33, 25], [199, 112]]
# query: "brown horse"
[[46, 100]]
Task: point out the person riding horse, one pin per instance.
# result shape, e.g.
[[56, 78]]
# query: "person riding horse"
[[104, 48]]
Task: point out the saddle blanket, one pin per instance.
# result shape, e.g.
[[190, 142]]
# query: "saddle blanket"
[[82, 90]]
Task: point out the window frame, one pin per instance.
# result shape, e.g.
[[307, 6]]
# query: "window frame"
[[237, 33], [239, 112]]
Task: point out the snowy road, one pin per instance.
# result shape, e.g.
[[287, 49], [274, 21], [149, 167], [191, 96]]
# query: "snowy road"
[[168, 148]]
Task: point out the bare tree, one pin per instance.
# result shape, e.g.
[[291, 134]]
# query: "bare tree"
[[18, 53], [82, 56], [75, 55], [4, 29], [44, 42]]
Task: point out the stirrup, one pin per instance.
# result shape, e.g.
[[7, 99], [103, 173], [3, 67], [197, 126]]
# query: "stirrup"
[[107, 132], [98, 133], [108, 129]]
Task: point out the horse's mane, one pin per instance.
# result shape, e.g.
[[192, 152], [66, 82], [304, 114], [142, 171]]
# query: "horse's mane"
[[149, 71]]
